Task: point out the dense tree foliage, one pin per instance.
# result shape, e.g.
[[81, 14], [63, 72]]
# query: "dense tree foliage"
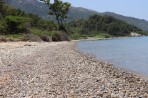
[[1, 8], [41, 9], [106, 24], [16, 21], [27, 26], [17, 24]]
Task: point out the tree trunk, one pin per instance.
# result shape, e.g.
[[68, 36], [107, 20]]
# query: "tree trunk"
[[61, 25]]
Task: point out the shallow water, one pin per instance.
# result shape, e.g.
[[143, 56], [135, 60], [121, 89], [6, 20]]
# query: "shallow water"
[[129, 53]]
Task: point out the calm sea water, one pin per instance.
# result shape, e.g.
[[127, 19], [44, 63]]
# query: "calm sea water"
[[129, 53]]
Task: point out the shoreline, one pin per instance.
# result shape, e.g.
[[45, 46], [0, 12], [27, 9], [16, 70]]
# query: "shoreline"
[[145, 77], [142, 76], [123, 74], [59, 70], [94, 39]]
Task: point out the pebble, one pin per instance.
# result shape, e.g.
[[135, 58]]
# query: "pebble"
[[58, 70]]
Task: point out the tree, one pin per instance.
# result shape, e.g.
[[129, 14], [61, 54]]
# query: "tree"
[[1, 3], [1, 7], [17, 24], [59, 9]]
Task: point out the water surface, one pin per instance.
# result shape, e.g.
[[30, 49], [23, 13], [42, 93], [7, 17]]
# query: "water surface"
[[129, 53]]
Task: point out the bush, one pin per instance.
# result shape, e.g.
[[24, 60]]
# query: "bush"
[[46, 38], [48, 25], [3, 39], [31, 37], [60, 36], [17, 24], [3, 27], [40, 32]]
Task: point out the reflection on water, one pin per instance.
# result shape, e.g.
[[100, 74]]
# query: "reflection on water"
[[129, 53]]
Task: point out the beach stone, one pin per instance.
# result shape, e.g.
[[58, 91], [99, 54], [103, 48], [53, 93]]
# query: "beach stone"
[[58, 70]]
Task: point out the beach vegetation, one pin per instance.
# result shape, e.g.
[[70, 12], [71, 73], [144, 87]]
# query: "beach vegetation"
[[18, 25]]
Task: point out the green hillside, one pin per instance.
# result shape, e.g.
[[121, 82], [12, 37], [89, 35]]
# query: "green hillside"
[[17, 24], [41, 9], [96, 26], [140, 23]]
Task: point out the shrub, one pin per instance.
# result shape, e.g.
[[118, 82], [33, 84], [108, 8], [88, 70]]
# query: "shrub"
[[46, 38], [31, 37], [3, 27], [60, 36], [3, 39], [40, 32], [17, 24], [48, 25]]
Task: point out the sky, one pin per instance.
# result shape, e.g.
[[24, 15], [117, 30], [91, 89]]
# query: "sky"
[[132, 8]]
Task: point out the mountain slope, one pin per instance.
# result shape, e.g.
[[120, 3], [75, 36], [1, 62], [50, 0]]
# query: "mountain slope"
[[30, 6], [141, 23], [41, 9]]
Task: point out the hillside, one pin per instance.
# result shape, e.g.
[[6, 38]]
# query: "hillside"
[[104, 26], [141, 23], [41, 9], [30, 6]]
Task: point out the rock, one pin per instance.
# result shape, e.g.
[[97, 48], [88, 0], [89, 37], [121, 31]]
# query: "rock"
[[134, 34]]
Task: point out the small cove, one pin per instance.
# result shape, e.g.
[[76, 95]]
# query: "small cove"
[[129, 53]]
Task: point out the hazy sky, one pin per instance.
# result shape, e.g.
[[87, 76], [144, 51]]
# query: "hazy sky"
[[133, 8]]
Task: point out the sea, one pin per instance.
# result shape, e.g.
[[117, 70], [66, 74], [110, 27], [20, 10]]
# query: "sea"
[[128, 53]]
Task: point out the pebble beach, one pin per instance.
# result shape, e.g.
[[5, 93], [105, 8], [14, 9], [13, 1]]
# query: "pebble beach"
[[59, 70]]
